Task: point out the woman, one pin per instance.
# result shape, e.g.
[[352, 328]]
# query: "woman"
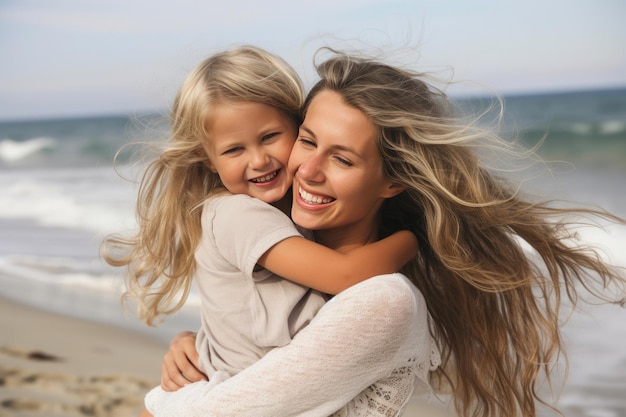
[[494, 306]]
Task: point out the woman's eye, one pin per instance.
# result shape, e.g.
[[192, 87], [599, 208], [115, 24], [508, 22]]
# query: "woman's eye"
[[306, 142], [343, 161]]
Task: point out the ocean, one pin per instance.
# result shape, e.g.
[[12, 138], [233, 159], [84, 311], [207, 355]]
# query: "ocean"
[[60, 195]]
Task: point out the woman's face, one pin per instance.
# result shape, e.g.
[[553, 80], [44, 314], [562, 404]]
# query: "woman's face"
[[338, 184]]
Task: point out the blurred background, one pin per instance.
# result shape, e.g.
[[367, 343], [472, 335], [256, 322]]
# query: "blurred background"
[[78, 79]]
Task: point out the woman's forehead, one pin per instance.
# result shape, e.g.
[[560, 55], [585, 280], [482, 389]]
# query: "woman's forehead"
[[328, 112], [337, 126]]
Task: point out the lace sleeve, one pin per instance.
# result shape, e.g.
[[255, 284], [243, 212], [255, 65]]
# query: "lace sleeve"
[[366, 334]]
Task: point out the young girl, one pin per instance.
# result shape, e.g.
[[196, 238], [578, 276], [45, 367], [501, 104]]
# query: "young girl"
[[203, 214]]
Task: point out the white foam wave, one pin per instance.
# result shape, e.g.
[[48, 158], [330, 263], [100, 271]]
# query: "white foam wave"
[[11, 150], [606, 127], [66, 274], [580, 128], [94, 200], [610, 127]]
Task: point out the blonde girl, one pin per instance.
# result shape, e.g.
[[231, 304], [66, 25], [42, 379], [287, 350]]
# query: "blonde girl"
[[203, 214]]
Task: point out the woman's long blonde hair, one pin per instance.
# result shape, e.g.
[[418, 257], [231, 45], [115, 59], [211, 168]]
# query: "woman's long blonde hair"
[[160, 257], [495, 309]]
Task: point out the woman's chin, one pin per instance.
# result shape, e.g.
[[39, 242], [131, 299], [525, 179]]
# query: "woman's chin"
[[305, 220]]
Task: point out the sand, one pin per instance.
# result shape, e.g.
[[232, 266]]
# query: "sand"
[[55, 365]]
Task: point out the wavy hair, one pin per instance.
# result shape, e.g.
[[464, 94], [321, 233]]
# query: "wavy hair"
[[495, 308], [160, 257]]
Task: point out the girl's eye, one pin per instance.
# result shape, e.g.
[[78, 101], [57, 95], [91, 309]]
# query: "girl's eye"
[[269, 136], [232, 150]]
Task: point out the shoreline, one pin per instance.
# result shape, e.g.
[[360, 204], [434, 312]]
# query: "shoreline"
[[90, 301]]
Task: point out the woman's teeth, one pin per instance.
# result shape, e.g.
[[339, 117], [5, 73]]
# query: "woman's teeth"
[[312, 199]]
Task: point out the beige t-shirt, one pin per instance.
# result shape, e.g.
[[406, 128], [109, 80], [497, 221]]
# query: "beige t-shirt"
[[245, 313]]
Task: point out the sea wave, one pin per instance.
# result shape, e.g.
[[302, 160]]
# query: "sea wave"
[[12, 150], [80, 142], [611, 127], [588, 129]]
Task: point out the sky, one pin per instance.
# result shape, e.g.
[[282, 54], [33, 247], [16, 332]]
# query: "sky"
[[61, 58]]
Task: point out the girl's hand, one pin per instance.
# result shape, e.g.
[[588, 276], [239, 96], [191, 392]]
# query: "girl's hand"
[[180, 364]]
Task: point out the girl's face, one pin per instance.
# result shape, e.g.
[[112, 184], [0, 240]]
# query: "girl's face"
[[338, 176], [249, 147]]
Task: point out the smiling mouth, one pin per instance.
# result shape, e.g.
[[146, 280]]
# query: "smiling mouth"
[[265, 178], [313, 199]]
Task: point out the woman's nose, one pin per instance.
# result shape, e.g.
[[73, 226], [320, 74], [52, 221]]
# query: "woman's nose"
[[311, 169]]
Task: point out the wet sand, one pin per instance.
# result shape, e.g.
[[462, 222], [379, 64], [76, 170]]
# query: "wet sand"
[[53, 365]]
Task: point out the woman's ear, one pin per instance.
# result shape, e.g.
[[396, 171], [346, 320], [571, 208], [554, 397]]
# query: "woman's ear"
[[392, 189]]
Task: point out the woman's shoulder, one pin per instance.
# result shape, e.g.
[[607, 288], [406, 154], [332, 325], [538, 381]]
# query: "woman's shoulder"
[[395, 287], [390, 295]]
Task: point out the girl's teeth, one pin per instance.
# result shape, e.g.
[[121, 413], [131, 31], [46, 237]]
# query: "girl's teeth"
[[265, 178], [311, 199]]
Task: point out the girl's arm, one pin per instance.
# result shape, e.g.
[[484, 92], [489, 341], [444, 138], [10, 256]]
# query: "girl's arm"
[[316, 266]]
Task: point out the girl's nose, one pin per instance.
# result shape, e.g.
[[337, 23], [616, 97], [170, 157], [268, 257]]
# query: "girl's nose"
[[259, 159]]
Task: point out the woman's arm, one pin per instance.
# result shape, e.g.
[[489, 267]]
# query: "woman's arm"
[[329, 271], [180, 364], [356, 339]]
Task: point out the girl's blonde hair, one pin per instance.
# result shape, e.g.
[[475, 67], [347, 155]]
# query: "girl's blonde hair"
[[160, 257], [495, 312]]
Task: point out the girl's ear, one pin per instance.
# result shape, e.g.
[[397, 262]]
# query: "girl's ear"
[[392, 190], [206, 161], [209, 165]]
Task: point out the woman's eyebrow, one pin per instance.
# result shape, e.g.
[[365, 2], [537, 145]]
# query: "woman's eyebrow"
[[309, 131], [335, 146]]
